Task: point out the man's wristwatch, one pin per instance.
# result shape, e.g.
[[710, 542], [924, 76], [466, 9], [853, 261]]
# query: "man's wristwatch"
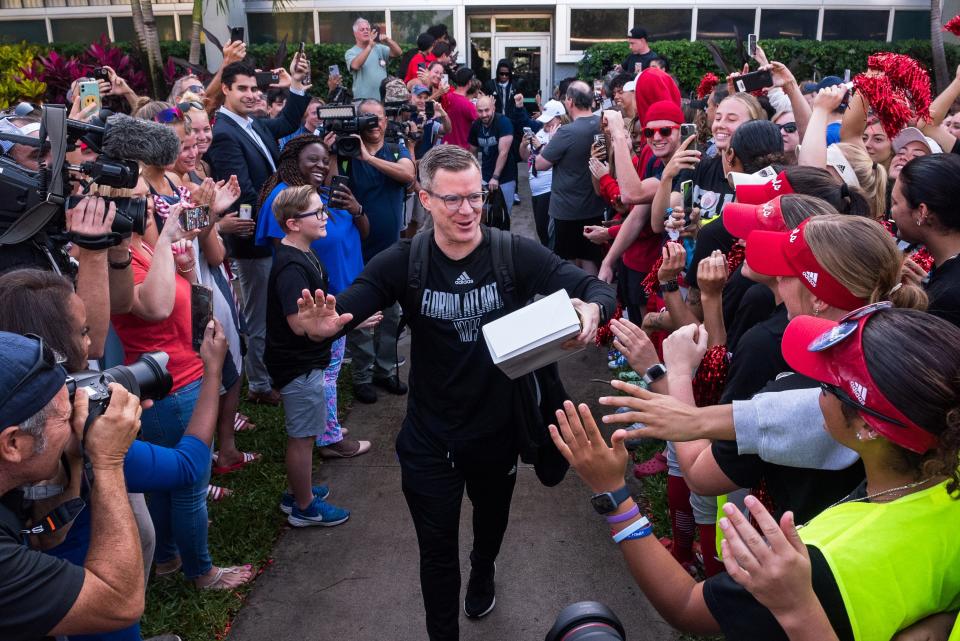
[[122, 264], [359, 213], [670, 286], [654, 373], [607, 502]]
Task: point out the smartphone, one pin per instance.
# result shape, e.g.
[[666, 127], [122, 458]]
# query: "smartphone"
[[600, 141], [597, 86], [236, 34], [303, 54], [446, 79], [90, 94], [430, 109], [201, 311], [686, 190], [754, 81], [334, 70], [375, 32], [637, 68], [336, 182], [846, 75], [527, 131], [752, 45], [421, 65], [246, 212], [194, 218], [687, 129], [266, 78]]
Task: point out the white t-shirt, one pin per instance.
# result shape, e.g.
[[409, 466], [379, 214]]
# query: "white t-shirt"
[[541, 183]]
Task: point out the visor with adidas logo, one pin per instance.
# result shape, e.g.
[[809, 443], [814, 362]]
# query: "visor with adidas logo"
[[787, 254], [759, 194]]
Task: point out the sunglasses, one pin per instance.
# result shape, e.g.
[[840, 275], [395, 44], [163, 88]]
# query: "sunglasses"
[[789, 127], [47, 359], [846, 399], [664, 132], [184, 107], [169, 115], [196, 89]]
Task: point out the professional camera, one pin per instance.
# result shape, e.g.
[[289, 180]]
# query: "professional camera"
[[586, 621], [147, 378], [344, 121], [397, 109], [35, 199]]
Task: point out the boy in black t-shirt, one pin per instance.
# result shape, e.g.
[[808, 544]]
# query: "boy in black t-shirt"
[[295, 358]]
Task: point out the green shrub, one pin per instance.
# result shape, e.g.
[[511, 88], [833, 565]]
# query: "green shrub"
[[13, 89], [690, 60]]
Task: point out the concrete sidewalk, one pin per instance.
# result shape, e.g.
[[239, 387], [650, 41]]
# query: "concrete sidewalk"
[[360, 581]]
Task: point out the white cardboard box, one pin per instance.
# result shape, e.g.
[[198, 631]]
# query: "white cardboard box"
[[530, 337]]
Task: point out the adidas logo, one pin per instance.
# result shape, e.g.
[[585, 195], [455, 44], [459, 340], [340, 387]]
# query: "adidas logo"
[[811, 278], [859, 391], [463, 279]]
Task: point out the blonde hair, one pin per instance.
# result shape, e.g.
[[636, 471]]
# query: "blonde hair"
[[862, 255], [292, 201], [872, 176], [752, 105], [795, 208]]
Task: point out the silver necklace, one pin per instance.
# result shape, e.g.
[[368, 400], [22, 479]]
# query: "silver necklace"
[[908, 486]]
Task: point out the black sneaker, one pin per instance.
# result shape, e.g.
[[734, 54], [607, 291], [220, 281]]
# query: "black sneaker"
[[481, 593], [392, 384], [364, 393]]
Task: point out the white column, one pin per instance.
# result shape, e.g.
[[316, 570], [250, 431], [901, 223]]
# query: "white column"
[[219, 25]]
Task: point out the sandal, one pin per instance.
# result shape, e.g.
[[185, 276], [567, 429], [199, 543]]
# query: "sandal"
[[216, 493], [657, 464], [248, 457], [218, 582], [166, 568], [242, 423]]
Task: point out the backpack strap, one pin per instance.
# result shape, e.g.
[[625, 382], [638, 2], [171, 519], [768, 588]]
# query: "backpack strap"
[[501, 252], [417, 267]]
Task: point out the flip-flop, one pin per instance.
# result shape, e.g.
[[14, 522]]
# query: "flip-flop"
[[242, 423], [248, 457], [216, 493], [217, 583]]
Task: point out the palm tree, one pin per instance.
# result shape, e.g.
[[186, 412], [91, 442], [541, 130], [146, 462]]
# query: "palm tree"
[[194, 58], [145, 25], [936, 46]]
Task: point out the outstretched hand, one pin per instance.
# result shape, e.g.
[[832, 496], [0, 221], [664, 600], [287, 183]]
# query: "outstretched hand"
[[579, 441], [318, 314], [663, 416]]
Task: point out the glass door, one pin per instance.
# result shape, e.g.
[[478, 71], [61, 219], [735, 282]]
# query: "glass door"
[[532, 60]]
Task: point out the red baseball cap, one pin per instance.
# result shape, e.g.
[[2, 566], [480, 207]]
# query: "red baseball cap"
[[832, 353], [741, 219], [759, 194], [787, 254]]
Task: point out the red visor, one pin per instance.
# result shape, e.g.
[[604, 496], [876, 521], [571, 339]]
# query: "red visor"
[[759, 194], [741, 219], [832, 353], [787, 254]]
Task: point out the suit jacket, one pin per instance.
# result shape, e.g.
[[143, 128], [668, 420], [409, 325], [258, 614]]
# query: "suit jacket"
[[491, 88], [234, 152]]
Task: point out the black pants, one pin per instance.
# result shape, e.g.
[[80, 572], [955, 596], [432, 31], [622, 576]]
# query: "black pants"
[[541, 217], [631, 292], [433, 478]]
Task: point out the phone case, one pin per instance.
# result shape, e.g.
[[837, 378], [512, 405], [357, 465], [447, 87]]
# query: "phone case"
[[201, 311], [89, 94]]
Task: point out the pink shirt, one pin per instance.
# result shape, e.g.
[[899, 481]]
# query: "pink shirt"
[[462, 113]]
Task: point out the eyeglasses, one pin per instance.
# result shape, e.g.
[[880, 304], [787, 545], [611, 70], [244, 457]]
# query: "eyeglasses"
[[184, 107], [321, 214], [454, 201], [196, 89], [846, 399], [789, 127], [47, 359], [169, 115], [665, 132]]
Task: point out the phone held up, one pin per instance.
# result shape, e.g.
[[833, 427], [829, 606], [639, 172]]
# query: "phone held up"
[[754, 81], [687, 129], [194, 218], [752, 45], [266, 78], [430, 109], [201, 311], [335, 183], [236, 34], [90, 94], [301, 52]]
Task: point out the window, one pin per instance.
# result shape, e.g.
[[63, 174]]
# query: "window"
[[186, 26], [405, 26], [480, 57], [590, 26], [713, 24], [165, 28], [909, 25], [272, 27], [788, 23], [855, 25], [480, 24], [78, 29], [523, 24], [123, 30], [338, 26], [14, 31], [664, 24]]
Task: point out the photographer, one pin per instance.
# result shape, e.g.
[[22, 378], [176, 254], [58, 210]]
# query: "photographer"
[[432, 128], [39, 594], [378, 179]]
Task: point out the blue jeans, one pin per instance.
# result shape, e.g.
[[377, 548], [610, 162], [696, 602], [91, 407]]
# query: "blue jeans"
[[180, 516]]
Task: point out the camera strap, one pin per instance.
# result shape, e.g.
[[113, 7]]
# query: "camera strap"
[[95, 243], [53, 125], [58, 517]]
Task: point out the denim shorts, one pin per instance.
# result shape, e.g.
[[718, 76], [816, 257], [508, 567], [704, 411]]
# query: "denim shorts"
[[305, 405]]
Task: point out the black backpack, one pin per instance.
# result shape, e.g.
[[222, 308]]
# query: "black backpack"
[[538, 394]]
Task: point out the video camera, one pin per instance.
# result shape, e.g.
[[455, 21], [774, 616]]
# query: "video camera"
[[398, 127], [37, 199], [344, 121]]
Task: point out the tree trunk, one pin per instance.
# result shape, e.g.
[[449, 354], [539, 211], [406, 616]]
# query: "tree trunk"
[[152, 47], [195, 32], [936, 46]]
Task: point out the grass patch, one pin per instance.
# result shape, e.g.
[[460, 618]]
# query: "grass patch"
[[244, 529]]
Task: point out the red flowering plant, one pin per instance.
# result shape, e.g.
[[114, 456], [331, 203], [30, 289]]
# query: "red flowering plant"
[[104, 54], [953, 26], [58, 72]]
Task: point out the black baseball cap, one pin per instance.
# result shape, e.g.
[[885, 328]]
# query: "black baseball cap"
[[637, 33]]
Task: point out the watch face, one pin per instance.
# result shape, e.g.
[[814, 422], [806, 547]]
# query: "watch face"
[[603, 503]]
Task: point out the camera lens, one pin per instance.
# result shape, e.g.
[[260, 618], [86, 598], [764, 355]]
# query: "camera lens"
[[131, 216], [148, 377], [347, 146], [586, 621]]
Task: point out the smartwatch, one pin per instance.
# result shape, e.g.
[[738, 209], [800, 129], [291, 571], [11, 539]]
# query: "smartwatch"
[[607, 502], [654, 373], [670, 286]]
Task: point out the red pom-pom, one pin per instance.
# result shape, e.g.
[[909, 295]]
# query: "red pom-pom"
[[923, 258], [651, 284], [890, 105], [735, 256], [907, 76], [707, 84], [604, 334], [711, 376], [953, 26]]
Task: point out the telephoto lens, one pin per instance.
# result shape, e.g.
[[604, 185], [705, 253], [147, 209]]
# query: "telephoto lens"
[[586, 621], [147, 378]]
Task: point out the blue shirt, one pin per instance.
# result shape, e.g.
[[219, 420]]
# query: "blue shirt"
[[833, 133], [382, 198], [487, 139], [339, 250]]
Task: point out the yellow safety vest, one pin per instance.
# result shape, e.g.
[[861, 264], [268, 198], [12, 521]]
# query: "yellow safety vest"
[[895, 563]]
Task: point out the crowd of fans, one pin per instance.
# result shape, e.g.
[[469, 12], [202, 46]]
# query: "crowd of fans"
[[780, 284]]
